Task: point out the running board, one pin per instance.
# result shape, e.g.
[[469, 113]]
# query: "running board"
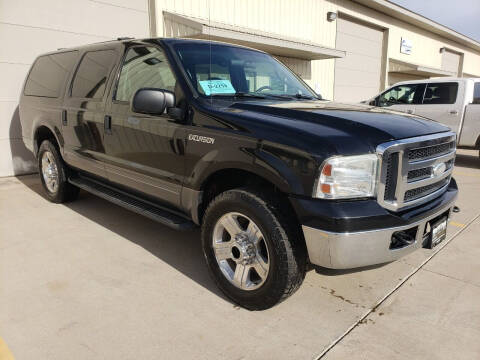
[[133, 203]]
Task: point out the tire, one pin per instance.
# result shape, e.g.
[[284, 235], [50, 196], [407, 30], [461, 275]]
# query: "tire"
[[280, 248], [54, 174]]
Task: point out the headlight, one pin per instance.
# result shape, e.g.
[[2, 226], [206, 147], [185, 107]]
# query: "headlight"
[[347, 177]]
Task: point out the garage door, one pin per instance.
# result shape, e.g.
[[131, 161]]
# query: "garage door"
[[451, 62], [357, 75]]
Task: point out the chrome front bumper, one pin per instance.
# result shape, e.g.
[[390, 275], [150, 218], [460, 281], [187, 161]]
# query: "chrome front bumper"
[[357, 249]]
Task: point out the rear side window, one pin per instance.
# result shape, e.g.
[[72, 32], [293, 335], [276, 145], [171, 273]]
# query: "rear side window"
[[92, 74], [476, 93], [48, 74], [441, 93]]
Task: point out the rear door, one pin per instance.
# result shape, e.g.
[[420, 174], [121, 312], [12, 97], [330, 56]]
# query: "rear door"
[[144, 153], [444, 102], [402, 97], [84, 110]]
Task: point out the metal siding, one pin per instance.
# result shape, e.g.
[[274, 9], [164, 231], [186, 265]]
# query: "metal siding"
[[306, 19], [303, 19]]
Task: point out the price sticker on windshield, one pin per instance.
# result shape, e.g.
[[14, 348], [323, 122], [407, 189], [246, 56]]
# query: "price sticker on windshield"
[[217, 87]]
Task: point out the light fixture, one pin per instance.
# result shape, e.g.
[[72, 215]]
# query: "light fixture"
[[331, 16]]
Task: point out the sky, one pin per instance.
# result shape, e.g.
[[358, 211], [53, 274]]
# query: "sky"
[[462, 16]]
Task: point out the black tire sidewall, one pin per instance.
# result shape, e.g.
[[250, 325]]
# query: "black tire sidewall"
[[275, 237]]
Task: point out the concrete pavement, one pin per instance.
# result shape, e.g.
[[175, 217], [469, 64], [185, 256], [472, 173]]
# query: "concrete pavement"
[[92, 280]]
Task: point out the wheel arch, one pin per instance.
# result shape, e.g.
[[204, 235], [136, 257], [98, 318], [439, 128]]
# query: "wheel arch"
[[230, 178], [42, 133]]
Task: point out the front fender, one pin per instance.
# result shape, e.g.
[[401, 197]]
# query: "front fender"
[[290, 171]]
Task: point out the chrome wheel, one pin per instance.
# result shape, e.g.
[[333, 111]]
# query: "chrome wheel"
[[241, 251], [49, 171]]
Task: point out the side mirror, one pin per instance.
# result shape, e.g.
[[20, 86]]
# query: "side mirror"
[[152, 101], [373, 103]]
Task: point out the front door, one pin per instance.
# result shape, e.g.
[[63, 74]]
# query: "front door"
[[144, 153], [84, 109]]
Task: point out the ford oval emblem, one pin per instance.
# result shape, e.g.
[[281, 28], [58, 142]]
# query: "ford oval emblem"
[[439, 169]]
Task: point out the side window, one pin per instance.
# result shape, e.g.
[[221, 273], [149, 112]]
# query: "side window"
[[402, 95], [92, 74], [144, 67], [441, 93], [476, 93], [48, 74]]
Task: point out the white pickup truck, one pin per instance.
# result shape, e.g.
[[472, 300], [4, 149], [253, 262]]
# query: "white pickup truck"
[[454, 102]]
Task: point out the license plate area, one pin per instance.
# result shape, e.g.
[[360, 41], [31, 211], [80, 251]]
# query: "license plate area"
[[435, 231]]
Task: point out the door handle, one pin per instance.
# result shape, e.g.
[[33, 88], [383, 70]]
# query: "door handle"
[[64, 117], [453, 112], [409, 111], [107, 124]]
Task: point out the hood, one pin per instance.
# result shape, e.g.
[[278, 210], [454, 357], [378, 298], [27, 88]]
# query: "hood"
[[349, 128]]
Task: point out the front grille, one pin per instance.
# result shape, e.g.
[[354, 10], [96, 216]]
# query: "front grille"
[[419, 173], [391, 179], [424, 190], [415, 170], [430, 151]]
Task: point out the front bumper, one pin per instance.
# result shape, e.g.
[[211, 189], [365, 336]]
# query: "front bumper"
[[351, 249]]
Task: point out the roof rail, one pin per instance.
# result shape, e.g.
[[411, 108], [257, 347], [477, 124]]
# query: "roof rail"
[[125, 38]]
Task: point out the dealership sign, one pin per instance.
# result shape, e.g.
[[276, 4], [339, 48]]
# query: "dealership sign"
[[406, 46]]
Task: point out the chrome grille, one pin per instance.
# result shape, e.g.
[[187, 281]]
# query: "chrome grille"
[[418, 174], [416, 170], [425, 190], [430, 151]]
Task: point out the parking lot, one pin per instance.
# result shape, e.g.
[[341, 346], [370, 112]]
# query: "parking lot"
[[91, 280]]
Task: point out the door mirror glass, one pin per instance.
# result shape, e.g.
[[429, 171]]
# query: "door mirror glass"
[[152, 101]]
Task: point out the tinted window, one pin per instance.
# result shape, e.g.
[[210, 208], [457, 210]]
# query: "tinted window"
[[476, 93], [92, 74], [441, 93], [47, 77], [402, 95], [144, 67]]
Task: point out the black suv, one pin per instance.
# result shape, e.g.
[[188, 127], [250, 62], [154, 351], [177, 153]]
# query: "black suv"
[[197, 133]]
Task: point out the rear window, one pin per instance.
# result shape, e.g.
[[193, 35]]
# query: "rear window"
[[48, 74], [441, 93], [92, 74], [476, 93]]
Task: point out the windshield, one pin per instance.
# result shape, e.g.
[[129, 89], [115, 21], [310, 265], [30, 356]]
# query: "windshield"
[[222, 70]]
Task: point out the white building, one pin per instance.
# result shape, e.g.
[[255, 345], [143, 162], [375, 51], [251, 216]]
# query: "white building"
[[347, 50]]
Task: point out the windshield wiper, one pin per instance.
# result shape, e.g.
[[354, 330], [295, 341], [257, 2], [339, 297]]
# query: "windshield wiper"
[[299, 96], [239, 95]]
